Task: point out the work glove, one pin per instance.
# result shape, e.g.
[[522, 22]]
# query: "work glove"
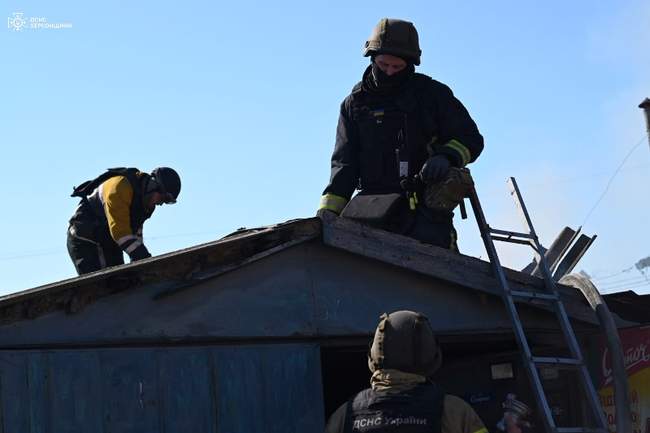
[[435, 169], [139, 253]]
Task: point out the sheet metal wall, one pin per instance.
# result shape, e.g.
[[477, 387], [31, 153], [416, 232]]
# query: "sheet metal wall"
[[248, 389], [307, 291]]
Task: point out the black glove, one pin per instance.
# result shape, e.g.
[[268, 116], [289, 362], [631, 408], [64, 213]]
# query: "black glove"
[[435, 169], [139, 253]]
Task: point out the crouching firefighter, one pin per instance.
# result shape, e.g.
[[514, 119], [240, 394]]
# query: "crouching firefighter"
[[402, 398], [114, 206], [400, 133]]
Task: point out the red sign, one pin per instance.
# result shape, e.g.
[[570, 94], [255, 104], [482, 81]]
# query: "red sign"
[[636, 353]]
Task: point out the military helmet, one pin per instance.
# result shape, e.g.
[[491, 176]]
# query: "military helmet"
[[168, 181], [404, 341], [396, 37]]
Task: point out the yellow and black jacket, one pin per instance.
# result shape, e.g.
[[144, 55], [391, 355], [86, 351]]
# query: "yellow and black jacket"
[[112, 210]]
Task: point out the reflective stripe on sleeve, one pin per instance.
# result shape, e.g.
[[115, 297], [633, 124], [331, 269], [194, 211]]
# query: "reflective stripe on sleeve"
[[126, 240], [481, 430], [133, 246], [100, 193], [332, 202], [459, 147]]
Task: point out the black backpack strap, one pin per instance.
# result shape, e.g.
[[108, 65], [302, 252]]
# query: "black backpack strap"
[[86, 188]]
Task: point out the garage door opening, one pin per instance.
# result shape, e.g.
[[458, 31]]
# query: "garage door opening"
[[345, 372]]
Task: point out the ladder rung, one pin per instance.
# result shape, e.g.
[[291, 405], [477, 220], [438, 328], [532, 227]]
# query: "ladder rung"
[[556, 361], [510, 234], [511, 240], [534, 295], [580, 430]]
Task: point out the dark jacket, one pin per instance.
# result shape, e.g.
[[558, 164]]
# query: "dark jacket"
[[379, 130], [416, 410]]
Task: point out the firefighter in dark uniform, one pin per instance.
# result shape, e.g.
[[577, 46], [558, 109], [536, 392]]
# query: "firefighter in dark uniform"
[[110, 215], [402, 398], [397, 132]]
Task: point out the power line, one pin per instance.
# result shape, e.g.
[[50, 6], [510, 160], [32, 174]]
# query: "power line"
[[638, 286], [611, 179], [624, 271], [624, 279], [624, 285], [30, 254], [61, 251], [629, 281], [591, 175], [179, 235]]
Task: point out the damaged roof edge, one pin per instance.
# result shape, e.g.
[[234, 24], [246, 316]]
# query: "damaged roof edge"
[[444, 264], [183, 267], [186, 267]]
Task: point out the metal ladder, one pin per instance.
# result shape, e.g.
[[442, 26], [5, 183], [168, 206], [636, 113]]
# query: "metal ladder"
[[550, 296]]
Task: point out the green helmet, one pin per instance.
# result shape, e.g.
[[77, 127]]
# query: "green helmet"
[[404, 341], [396, 37]]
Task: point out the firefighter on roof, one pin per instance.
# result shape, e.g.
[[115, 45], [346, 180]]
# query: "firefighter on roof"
[[110, 215], [398, 131]]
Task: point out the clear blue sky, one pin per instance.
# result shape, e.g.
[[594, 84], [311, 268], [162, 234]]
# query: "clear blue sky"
[[242, 99]]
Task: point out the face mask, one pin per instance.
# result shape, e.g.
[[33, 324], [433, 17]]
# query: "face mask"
[[381, 79]]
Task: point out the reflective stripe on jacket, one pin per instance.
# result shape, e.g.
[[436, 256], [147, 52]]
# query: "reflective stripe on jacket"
[[116, 204], [376, 132]]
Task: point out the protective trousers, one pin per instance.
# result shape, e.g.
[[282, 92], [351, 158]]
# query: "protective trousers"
[[89, 254], [425, 225]]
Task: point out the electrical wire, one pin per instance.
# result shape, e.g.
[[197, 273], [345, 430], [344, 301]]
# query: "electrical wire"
[[60, 251], [625, 280], [611, 179], [624, 271], [589, 176], [626, 284], [638, 286], [30, 254]]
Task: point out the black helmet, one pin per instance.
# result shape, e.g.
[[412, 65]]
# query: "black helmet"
[[396, 37], [404, 341], [168, 181]]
